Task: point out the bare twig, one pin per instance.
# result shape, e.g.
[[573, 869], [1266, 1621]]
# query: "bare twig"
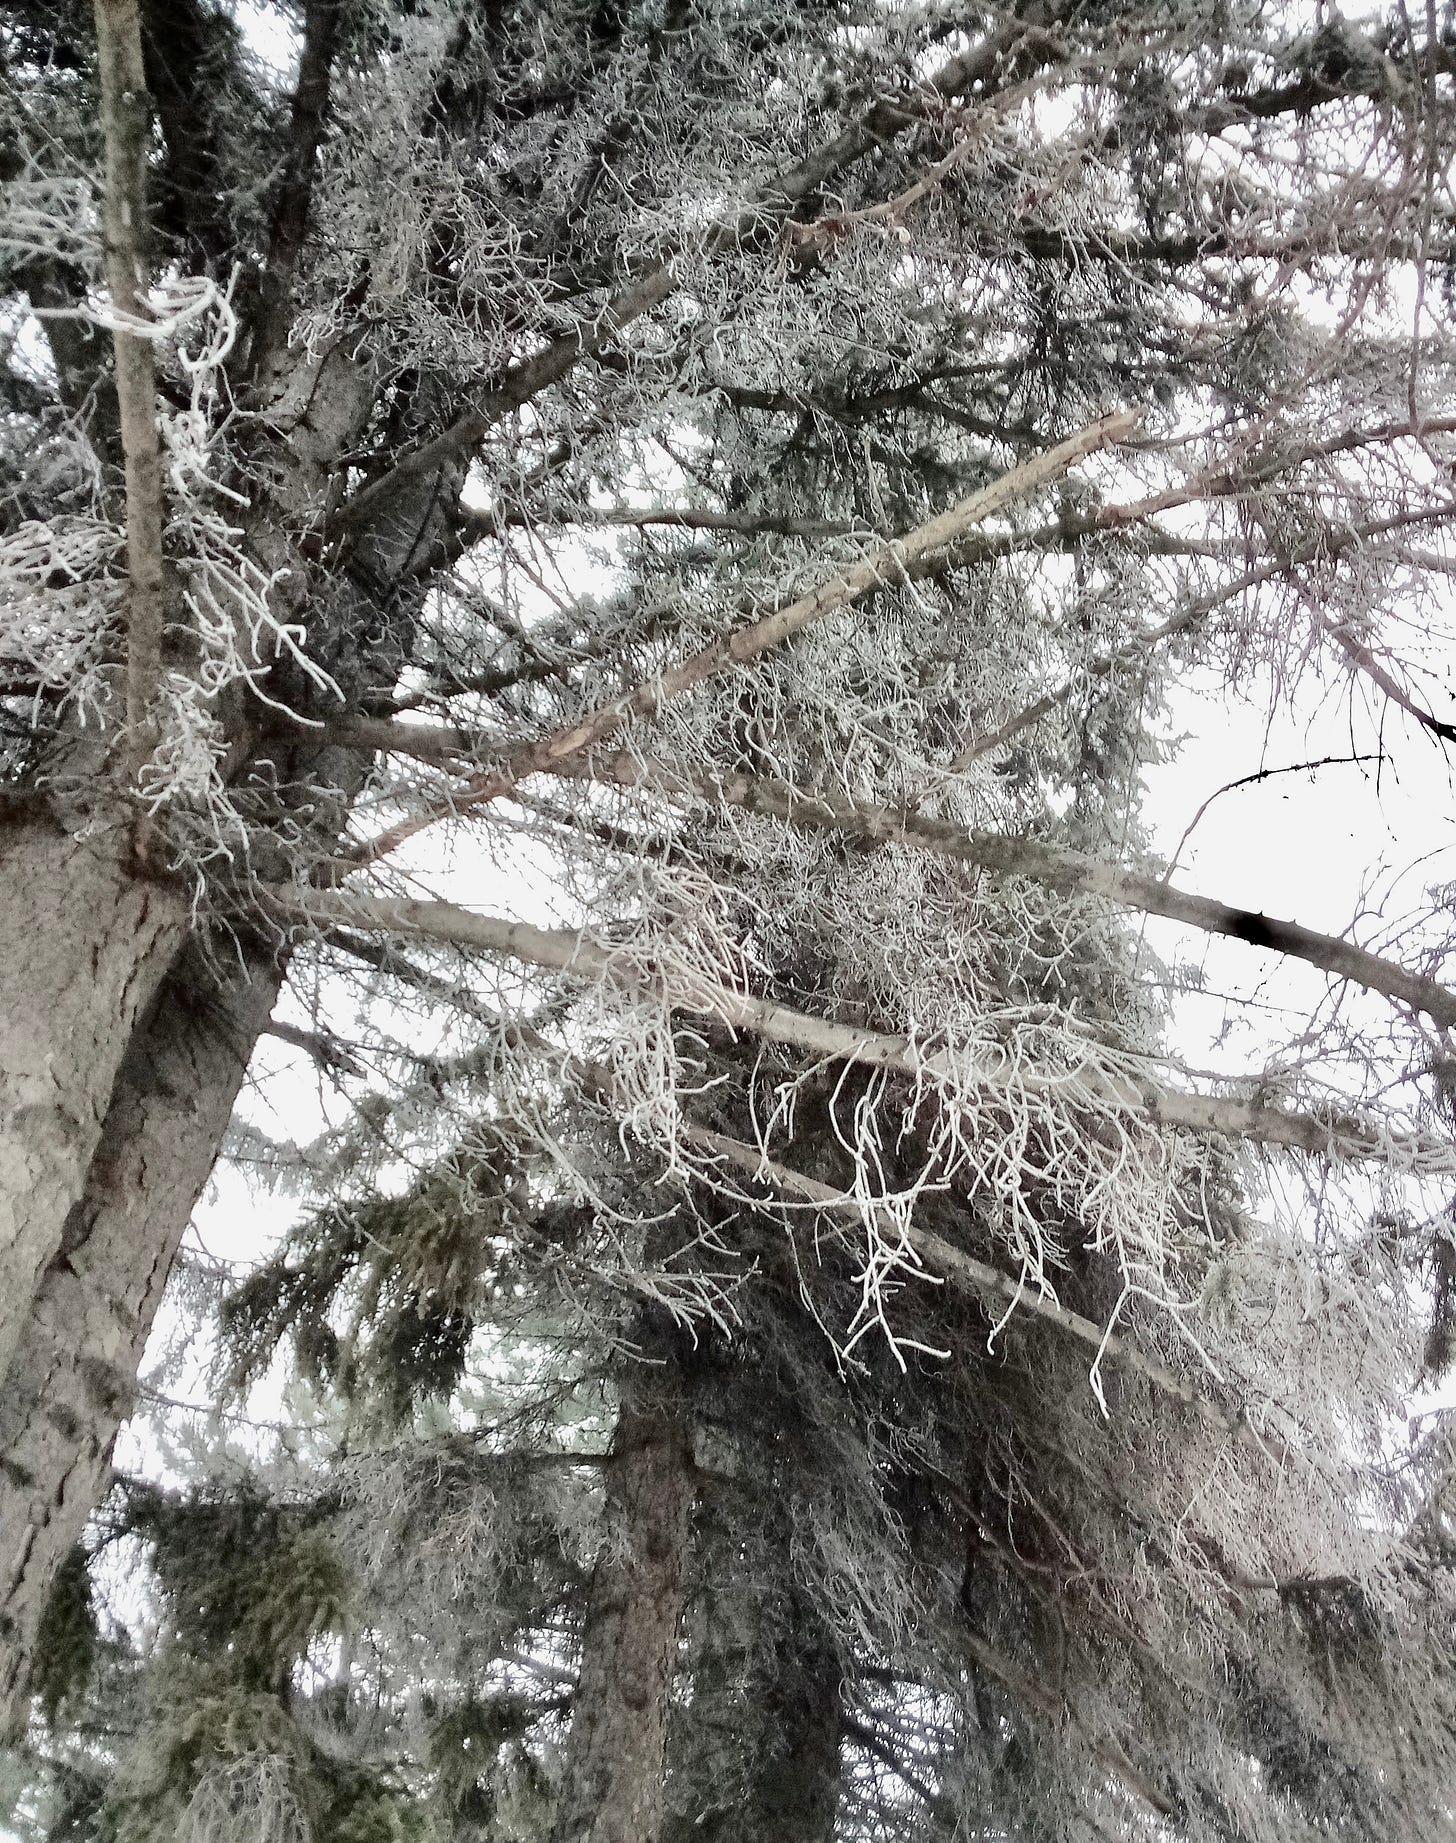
[[1253, 780]]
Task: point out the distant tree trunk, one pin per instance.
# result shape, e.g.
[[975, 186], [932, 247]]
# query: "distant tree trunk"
[[757, 1749], [795, 1779], [613, 1790]]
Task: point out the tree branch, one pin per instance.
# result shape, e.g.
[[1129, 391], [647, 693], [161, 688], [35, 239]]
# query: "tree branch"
[[965, 1270], [1054, 1708], [1362, 657], [748, 524], [187, 51], [325, 1048], [295, 191], [656, 282], [84, 380], [744, 645], [1329, 545], [566, 951], [1052, 866], [124, 126]]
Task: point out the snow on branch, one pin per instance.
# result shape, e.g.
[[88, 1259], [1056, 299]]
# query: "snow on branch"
[[1054, 866], [1326, 545], [744, 645], [1107, 1083], [656, 282]]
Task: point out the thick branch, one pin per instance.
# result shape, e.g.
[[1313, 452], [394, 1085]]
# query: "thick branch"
[[749, 524], [295, 191], [565, 951], [1050, 865], [124, 125], [1064, 534], [1056, 868], [744, 645], [189, 69], [84, 380]]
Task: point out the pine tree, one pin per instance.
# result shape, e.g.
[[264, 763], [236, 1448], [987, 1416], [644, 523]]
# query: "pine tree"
[[752, 477]]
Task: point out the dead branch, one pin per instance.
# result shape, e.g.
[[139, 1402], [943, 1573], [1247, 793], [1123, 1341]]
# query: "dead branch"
[[950, 1263], [744, 645], [124, 124], [998, 855]]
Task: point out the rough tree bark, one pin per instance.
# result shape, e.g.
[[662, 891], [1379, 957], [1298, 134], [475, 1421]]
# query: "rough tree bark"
[[86, 948], [125, 1036], [124, 1040], [613, 1788], [73, 1372]]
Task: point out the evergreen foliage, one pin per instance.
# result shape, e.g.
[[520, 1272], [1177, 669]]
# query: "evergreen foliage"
[[773, 1341]]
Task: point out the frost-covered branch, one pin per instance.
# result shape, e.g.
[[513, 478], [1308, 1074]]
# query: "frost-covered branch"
[[657, 283], [1327, 544], [1362, 657], [1047, 1703], [952, 1264], [124, 123], [1054, 866], [743, 646], [566, 951]]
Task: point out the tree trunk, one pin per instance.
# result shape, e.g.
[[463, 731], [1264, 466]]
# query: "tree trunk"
[[613, 1789], [795, 1779], [85, 948], [122, 1050], [73, 1370], [757, 1747]]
